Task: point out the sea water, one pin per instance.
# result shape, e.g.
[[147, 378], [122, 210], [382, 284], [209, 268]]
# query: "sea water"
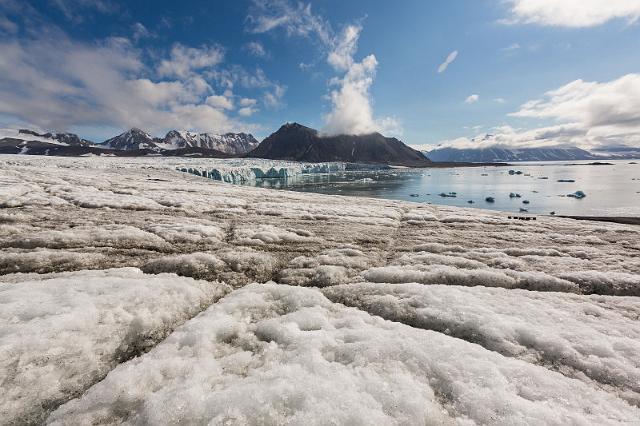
[[611, 189]]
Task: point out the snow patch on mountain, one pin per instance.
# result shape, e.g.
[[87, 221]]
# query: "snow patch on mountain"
[[230, 143]]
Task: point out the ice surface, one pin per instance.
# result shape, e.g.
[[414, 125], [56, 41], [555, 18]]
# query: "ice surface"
[[557, 353], [580, 336], [274, 354], [59, 335], [43, 260], [235, 267], [249, 170]]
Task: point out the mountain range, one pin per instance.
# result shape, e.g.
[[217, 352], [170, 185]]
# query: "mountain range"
[[228, 143], [296, 142], [498, 154], [292, 141], [133, 142]]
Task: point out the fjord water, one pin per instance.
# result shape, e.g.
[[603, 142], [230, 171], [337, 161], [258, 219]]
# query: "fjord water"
[[611, 190]]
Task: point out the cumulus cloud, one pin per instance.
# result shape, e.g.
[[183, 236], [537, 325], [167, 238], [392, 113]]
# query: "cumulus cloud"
[[352, 111], [113, 83], [245, 102], [448, 61], [351, 104], [187, 59], [472, 99], [586, 114], [247, 111], [218, 101], [572, 13], [594, 104]]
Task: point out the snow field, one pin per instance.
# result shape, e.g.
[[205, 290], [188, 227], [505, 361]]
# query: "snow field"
[[274, 354], [59, 335], [585, 337], [495, 321]]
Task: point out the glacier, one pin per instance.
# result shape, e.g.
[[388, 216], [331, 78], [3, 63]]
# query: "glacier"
[[134, 293], [249, 173]]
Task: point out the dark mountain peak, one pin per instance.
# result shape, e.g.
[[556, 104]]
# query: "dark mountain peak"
[[28, 132], [296, 142], [295, 128]]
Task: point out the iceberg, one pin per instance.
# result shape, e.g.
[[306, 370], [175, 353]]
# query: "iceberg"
[[578, 194]]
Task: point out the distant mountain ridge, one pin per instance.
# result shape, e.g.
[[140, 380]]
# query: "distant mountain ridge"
[[130, 143], [70, 139], [296, 142], [228, 143], [497, 154]]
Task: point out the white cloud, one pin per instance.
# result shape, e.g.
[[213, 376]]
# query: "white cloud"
[[572, 13], [218, 101], [273, 98], [75, 10], [296, 20], [588, 114], [247, 102], [450, 58], [472, 99], [512, 47], [184, 60], [247, 111], [352, 111], [140, 31], [500, 100], [341, 57], [272, 91], [256, 49], [108, 84]]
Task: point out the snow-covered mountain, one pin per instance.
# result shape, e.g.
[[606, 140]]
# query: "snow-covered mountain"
[[29, 142], [130, 143], [230, 143], [619, 152], [24, 135], [497, 154], [130, 140]]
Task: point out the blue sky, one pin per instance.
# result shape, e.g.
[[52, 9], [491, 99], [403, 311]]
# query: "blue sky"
[[97, 67]]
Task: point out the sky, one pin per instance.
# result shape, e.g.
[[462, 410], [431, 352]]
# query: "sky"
[[464, 73]]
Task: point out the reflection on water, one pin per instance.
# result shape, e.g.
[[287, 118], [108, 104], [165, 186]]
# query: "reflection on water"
[[610, 189]]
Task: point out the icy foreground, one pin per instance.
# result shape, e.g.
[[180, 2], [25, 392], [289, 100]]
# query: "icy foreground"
[[126, 296], [306, 360], [62, 334]]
